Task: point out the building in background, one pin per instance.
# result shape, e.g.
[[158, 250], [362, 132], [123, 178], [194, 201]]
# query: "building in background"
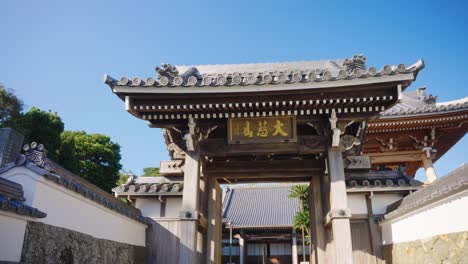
[[347, 129]]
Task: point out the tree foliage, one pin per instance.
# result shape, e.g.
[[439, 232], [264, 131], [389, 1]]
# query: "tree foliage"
[[150, 171], [10, 109], [302, 218], [92, 156], [43, 127], [122, 178]]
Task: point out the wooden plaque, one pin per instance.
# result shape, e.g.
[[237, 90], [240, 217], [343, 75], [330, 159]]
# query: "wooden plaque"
[[281, 129]]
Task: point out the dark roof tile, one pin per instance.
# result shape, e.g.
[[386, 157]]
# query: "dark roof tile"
[[260, 207]]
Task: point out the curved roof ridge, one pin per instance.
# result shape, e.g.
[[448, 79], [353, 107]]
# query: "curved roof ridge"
[[463, 100], [262, 66]]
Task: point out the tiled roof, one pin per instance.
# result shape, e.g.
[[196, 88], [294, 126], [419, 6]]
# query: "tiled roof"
[[453, 183], [150, 186], [35, 160], [12, 200], [417, 102], [257, 207], [380, 179], [264, 73]]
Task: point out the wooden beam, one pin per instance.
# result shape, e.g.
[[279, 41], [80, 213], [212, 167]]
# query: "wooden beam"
[[341, 228], [316, 221], [218, 223], [213, 239], [189, 213], [304, 145], [428, 168], [395, 156], [374, 231], [266, 170]]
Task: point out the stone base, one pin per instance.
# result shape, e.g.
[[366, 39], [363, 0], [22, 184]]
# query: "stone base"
[[49, 244], [448, 248]]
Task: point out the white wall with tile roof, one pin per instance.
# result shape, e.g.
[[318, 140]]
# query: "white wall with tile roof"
[[68, 209], [444, 217]]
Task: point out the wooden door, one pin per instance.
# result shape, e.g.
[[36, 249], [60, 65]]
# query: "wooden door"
[[362, 244]]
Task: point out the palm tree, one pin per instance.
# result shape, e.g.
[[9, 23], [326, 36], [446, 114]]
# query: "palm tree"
[[302, 218]]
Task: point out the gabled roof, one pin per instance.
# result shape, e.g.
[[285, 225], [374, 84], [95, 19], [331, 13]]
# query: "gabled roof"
[[417, 102], [258, 207], [265, 73]]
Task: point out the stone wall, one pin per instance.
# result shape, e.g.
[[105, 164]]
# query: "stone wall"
[[49, 244], [449, 248]]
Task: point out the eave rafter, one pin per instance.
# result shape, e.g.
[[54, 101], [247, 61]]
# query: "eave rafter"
[[452, 120]]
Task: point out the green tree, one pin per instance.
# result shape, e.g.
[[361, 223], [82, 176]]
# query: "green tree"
[[150, 171], [44, 128], [10, 109], [302, 218], [122, 178], [92, 156]]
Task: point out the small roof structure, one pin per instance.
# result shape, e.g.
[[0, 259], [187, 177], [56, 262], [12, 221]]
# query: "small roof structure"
[[418, 103], [259, 207], [150, 186], [418, 123]]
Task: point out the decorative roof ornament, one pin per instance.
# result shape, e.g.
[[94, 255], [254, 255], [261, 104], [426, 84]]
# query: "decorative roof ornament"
[[36, 154], [169, 73], [430, 99], [357, 62], [167, 70]]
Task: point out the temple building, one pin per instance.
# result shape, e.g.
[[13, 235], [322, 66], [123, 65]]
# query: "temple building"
[[238, 137], [347, 129]]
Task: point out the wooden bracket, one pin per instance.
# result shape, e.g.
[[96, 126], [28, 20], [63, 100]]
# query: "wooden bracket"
[[189, 215], [171, 167], [337, 214], [357, 162]]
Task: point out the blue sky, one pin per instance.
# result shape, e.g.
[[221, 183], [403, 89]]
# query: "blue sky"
[[55, 53]]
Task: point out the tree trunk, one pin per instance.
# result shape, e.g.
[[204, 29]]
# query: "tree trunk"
[[303, 246]]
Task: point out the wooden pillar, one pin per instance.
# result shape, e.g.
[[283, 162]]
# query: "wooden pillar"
[[376, 238], [294, 248], [429, 168], [317, 227], [214, 232], [189, 213], [241, 247], [339, 213]]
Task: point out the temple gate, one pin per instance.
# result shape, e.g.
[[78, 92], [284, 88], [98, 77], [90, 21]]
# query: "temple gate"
[[298, 121]]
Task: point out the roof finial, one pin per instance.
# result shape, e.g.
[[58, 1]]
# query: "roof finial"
[[36, 154], [167, 70], [354, 63]]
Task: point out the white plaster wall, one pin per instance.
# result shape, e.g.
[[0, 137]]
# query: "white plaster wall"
[[27, 179], [68, 209], [381, 201], [173, 206], [12, 228], [357, 203], [445, 217], [150, 207]]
